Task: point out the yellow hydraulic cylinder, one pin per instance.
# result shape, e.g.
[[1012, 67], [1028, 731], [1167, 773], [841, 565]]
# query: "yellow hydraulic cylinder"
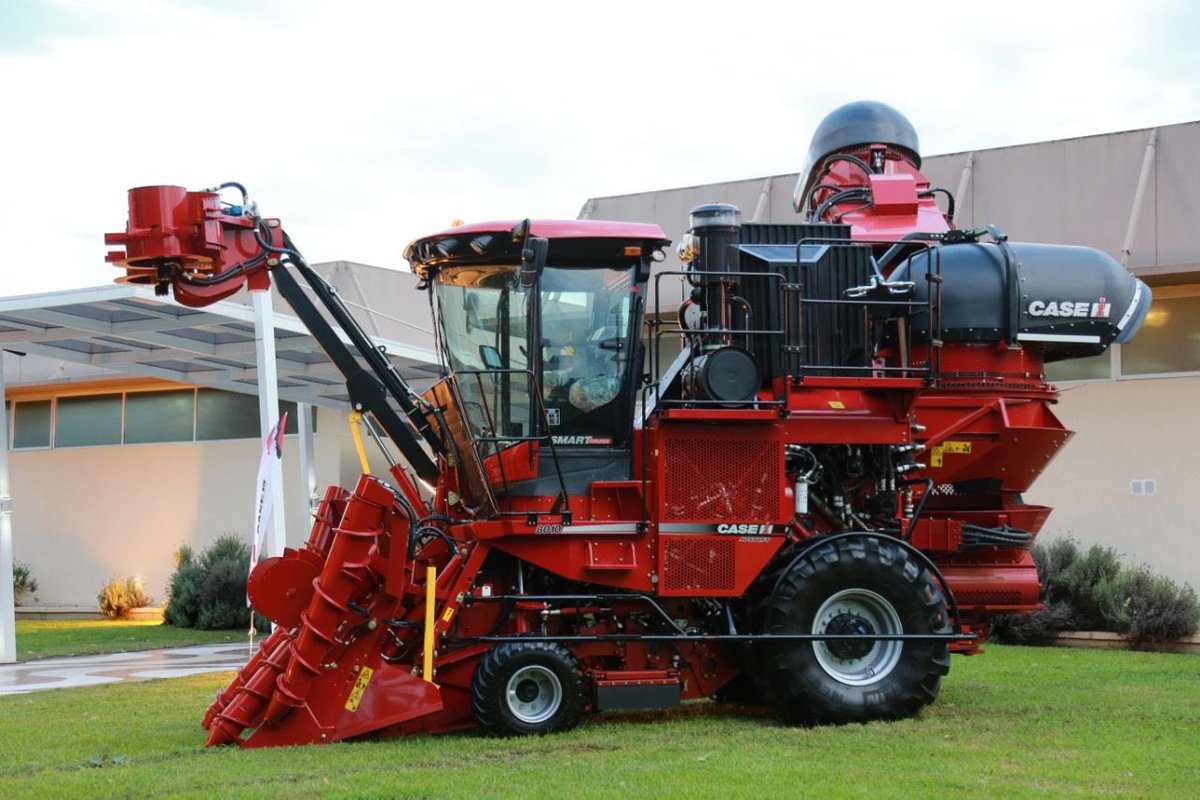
[[430, 597]]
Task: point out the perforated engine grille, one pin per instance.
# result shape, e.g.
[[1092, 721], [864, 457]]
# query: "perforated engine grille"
[[717, 480], [1000, 597], [699, 563]]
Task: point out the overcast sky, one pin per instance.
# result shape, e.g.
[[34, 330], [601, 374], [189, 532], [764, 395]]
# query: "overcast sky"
[[366, 124]]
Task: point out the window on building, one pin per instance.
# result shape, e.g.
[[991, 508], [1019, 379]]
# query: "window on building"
[[226, 415], [91, 420], [1080, 369], [1169, 340], [1168, 343], [180, 415], [160, 417], [229, 415], [94, 420], [31, 424], [293, 420]]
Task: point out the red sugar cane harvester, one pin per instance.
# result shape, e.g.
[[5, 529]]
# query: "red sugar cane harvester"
[[802, 488]]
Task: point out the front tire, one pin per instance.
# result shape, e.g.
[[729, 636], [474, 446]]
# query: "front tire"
[[867, 584], [527, 688]]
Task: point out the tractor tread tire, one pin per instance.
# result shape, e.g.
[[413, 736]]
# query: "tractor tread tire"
[[790, 676], [497, 666]]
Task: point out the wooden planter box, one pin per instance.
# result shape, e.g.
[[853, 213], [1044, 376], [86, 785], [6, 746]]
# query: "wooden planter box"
[[1118, 640]]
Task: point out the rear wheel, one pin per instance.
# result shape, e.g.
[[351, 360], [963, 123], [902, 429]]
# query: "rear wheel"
[[522, 688], [860, 585]]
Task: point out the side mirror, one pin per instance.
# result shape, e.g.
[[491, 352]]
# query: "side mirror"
[[490, 357]]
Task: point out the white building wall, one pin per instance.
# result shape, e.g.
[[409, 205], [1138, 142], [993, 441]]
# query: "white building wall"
[[87, 514], [1129, 430]]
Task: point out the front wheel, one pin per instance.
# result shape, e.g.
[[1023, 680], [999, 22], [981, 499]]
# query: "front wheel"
[[522, 688], [865, 585]]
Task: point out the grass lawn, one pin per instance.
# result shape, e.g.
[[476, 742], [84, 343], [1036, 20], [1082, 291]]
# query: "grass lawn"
[[1015, 722], [41, 638]]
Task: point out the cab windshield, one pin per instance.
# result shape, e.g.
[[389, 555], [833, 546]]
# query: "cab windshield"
[[578, 368]]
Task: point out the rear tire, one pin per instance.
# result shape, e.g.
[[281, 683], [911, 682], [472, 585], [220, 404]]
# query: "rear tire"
[[524, 688], [866, 584]]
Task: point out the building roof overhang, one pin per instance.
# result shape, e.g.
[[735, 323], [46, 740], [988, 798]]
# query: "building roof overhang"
[[128, 330]]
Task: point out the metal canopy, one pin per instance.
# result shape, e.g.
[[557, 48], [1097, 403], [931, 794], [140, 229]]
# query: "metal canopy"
[[127, 329]]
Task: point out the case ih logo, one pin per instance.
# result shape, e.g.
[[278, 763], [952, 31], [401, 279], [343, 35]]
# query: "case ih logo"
[[743, 529], [1070, 308]]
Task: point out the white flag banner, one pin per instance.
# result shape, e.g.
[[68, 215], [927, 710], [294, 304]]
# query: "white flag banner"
[[264, 499]]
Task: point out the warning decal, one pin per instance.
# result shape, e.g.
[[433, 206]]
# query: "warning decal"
[[936, 453], [360, 686]]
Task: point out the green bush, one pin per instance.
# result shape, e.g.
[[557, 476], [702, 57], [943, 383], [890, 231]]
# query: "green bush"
[[1037, 627], [209, 592], [183, 590], [1053, 561], [223, 595], [23, 582], [1160, 610], [1092, 591], [1093, 585], [119, 596]]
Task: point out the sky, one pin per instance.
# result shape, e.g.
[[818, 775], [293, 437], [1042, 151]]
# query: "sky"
[[364, 125]]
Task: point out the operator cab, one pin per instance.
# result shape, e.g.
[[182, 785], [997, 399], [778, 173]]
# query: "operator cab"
[[538, 326]]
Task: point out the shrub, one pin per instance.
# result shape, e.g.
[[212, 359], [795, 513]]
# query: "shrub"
[[209, 592], [1159, 609], [223, 594], [183, 590], [1093, 591], [1053, 561], [1092, 585], [1041, 626], [119, 597], [23, 582], [1036, 627]]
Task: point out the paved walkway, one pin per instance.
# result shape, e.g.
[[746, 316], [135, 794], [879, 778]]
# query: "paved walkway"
[[176, 662]]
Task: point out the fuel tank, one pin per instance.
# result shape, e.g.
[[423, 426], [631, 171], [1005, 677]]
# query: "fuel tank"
[[1074, 301]]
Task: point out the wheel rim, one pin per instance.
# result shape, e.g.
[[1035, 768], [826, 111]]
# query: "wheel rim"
[[533, 694], [857, 611]]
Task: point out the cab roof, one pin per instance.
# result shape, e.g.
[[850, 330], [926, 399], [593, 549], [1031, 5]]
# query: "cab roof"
[[563, 229], [499, 239]]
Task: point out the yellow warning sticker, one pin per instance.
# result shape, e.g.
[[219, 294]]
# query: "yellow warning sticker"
[[448, 615], [939, 450], [360, 686], [836, 404]]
